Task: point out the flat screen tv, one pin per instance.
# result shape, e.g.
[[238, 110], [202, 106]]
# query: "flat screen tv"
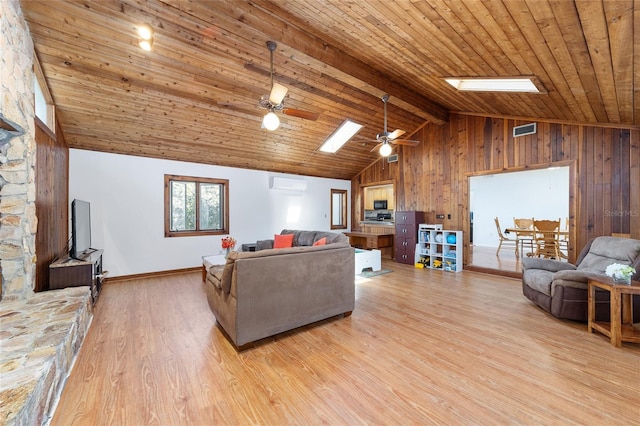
[[80, 229]]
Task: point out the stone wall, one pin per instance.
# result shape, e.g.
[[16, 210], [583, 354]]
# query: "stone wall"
[[18, 221]]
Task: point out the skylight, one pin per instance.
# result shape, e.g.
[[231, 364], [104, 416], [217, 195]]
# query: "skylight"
[[486, 84], [346, 131]]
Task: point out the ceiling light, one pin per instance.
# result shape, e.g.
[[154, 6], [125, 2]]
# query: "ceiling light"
[[271, 121], [145, 33], [145, 45], [343, 133], [488, 84], [278, 91], [385, 149]]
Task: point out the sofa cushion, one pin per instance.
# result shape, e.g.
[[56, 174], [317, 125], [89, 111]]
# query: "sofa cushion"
[[264, 244], [539, 280], [321, 242], [300, 238], [283, 241], [332, 237], [607, 250], [215, 276], [546, 264]]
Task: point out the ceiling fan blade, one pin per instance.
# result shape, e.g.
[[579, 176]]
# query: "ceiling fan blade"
[[396, 134], [301, 114], [278, 92], [405, 142], [377, 147]]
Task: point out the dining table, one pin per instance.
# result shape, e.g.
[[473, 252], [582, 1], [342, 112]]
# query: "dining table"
[[531, 233]]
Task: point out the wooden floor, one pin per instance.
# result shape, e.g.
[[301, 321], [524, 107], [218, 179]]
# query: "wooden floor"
[[485, 257], [422, 347]]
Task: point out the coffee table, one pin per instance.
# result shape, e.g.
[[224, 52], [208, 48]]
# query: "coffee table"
[[621, 328], [367, 259]]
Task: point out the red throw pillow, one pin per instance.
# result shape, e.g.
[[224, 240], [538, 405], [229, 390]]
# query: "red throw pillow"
[[282, 241], [321, 242]]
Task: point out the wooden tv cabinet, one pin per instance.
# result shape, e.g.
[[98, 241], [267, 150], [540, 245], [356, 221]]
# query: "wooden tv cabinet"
[[70, 272]]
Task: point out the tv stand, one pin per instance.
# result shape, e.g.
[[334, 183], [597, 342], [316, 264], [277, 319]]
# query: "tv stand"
[[71, 272]]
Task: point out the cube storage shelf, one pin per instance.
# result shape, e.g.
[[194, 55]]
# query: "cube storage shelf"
[[439, 248]]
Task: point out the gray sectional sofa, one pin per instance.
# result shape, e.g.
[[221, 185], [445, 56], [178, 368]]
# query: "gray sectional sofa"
[[272, 290]]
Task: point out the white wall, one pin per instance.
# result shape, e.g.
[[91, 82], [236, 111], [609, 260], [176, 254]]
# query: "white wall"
[[127, 209], [539, 194]]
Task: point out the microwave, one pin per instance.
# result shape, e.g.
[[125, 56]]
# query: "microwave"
[[379, 204]]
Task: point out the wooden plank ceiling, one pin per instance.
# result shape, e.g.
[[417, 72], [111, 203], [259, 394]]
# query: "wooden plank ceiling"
[[194, 96]]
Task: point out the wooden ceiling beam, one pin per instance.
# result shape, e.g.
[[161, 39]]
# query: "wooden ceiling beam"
[[299, 45]]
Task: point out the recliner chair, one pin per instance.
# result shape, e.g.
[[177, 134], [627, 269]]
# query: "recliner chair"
[[560, 288]]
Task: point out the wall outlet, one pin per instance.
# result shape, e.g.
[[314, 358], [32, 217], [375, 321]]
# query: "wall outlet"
[[439, 216]]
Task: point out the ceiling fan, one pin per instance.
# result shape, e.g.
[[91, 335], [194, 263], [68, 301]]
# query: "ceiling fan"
[[386, 139], [275, 101]]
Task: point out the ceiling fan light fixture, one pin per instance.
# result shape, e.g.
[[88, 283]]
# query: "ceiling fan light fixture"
[[145, 45], [146, 37], [385, 149], [278, 92], [342, 134], [271, 121], [145, 32]]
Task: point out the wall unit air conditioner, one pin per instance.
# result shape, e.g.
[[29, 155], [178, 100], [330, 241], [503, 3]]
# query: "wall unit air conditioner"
[[392, 158], [288, 184]]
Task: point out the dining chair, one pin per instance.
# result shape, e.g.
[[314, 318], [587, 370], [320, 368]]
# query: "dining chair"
[[547, 238], [563, 240], [525, 237], [506, 241]]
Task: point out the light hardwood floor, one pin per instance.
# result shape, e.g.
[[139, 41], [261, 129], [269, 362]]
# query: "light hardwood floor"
[[485, 257], [422, 347]]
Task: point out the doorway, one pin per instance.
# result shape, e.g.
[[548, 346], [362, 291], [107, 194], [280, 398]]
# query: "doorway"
[[542, 193]]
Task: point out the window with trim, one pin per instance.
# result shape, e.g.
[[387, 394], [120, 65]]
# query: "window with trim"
[[195, 206], [44, 108], [338, 209]]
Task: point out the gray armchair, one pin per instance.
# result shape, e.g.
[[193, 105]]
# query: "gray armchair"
[[560, 288]]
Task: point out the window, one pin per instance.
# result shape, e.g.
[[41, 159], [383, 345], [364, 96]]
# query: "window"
[[338, 209], [44, 108], [195, 206]]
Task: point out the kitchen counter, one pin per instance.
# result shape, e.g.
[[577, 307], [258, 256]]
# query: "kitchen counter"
[[376, 222]]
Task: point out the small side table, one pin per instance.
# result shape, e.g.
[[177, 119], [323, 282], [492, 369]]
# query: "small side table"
[[621, 328]]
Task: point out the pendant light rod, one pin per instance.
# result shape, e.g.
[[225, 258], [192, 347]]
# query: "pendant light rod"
[[271, 45]]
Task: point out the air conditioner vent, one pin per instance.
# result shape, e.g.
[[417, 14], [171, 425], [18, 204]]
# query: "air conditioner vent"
[[392, 158], [526, 129]]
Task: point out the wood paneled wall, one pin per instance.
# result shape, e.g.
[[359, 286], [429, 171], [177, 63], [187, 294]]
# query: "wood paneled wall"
[[433, 176], [52, 200]]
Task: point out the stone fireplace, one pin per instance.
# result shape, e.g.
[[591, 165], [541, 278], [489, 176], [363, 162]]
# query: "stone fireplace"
[[40, 333]]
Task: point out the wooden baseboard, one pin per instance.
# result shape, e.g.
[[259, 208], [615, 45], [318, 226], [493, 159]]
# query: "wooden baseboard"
[[510, 274], [153, 274]]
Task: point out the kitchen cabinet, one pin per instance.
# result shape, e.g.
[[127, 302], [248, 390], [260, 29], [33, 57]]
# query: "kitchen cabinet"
[[378, 193]]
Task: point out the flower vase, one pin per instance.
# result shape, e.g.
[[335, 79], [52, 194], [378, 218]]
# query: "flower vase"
[[226, 252], [622, 279]]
